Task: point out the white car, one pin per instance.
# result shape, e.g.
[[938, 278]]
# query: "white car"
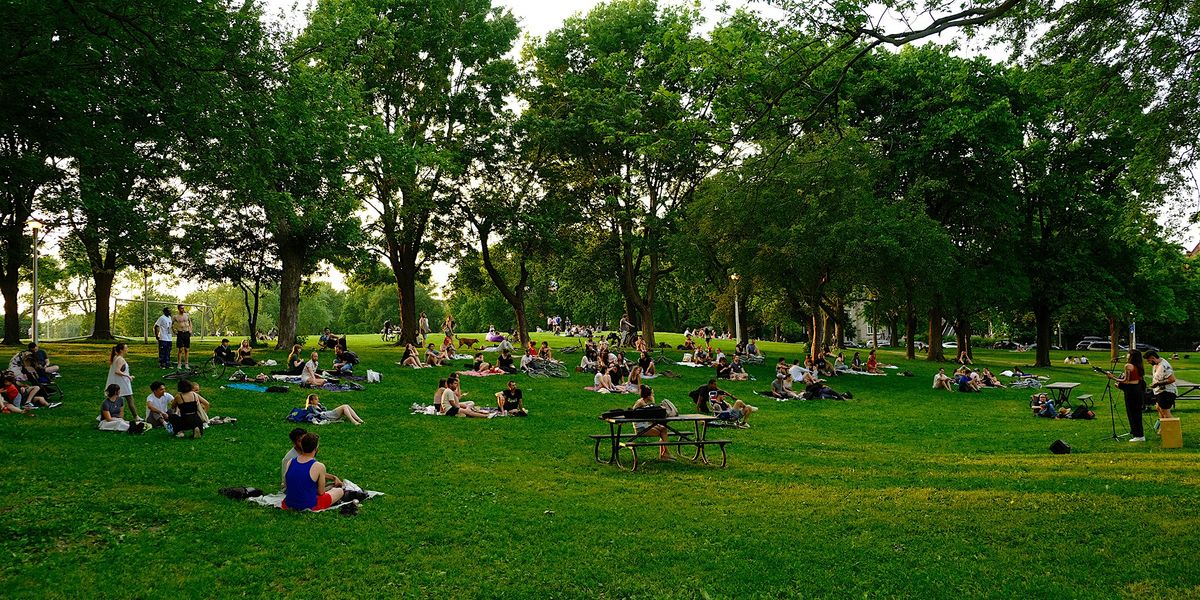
[[953, 345]]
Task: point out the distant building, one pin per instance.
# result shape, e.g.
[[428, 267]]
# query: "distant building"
[[1195, 251]]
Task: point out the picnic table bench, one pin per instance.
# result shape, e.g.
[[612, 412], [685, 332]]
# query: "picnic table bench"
[[696, 438], [1187, 389]]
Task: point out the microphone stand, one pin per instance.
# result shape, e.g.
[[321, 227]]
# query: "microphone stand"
[[1112, 405]]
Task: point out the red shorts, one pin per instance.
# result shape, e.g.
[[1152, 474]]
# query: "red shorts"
[[323, 501]]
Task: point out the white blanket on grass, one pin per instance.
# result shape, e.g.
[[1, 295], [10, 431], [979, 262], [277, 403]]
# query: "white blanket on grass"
[[276, 500]]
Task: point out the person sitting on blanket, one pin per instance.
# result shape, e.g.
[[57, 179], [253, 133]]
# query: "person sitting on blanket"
[[434, 358], [839, 363], [646, 429], [941, 381], [448, 348], [112, 410], [587, 363], [311, 373], [815, 389], [645, 362], [724, 370], [821, 364], [295, 436], [345, 361], [603, 381], [781, 387], [702, 357], [545, 352], [245, 354], [737, 371], [688, 344], [452, 407], [317, 410], [482, 366], [223, 354], [531, 348], [752, 349], [306, 479], [856, 364], [157, 405], [295, 362], [739, 349], [505, 362], [510, 399], [712, 400], [796, 371], [989, 379], [872, 363]]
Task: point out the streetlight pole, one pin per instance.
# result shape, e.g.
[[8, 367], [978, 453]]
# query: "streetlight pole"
[[737, 318], [36, 226], [145, 306]]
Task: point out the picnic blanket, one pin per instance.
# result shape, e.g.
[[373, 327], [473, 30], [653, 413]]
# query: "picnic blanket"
[[276, 500], [853, 372], [768, 394], [691, 364], [481, 373], [428, 409], [620, 390], [249, 387]]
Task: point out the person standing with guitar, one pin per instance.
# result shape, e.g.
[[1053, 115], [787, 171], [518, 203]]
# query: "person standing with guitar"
[[1133, 383]]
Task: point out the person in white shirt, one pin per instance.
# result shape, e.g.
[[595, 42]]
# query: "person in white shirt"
[[797, 372], [310, 374], [162, 333], [1162, 385], [157, 404]]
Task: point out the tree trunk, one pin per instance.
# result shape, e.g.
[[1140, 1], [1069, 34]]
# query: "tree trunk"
[[894, 329], [10, 286], [962, 334], [406, 298], [250, 300], [839, 333], [910, 330], [935, 352], [817, 333], [102, 326], [291, 262], [514, 295], [1041, 314]]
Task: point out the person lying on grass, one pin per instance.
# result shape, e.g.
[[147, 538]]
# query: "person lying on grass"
[[316, 409], [510, 399], [451, 406], [815, 389], [312, 369], [644, 428], [306, 480], [941, 381]]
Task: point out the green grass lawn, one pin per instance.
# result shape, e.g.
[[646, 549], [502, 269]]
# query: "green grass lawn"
[[900, 492]]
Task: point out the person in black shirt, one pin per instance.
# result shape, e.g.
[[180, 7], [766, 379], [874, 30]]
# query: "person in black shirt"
[[224, 354], [510, 400], [645, 362], [505, 363], [723, 369]]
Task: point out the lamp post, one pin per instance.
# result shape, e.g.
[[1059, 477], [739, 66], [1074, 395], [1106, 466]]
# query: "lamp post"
[[36, 227], [145, 306], [737, 318], [1132, 332]]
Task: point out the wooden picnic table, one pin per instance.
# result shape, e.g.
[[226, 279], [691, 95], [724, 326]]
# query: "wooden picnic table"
[[1188, 389], [1062, 392], [694, 438]]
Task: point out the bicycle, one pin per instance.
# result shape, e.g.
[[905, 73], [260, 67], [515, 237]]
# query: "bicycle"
[[387, 335], [540, 368], [209, 369]]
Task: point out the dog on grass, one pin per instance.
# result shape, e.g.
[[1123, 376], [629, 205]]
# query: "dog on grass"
[[468, 342]]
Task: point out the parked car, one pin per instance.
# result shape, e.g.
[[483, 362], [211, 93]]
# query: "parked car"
[[1103, 347], [1034, 347], [1142, 347], [1006, 345], [1087, 341], [950, 345]]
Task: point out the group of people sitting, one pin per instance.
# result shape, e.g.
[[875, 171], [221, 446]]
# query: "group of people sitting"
[[966, 379], [448, 400], [28, 382], [808, 373], [180, 414], [242, 356]]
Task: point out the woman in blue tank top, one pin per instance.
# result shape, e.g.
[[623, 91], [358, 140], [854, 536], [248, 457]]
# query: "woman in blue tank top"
[[306, 479]]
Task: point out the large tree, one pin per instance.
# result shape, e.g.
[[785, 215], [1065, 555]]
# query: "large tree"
[[434, 77], [626, 95]]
